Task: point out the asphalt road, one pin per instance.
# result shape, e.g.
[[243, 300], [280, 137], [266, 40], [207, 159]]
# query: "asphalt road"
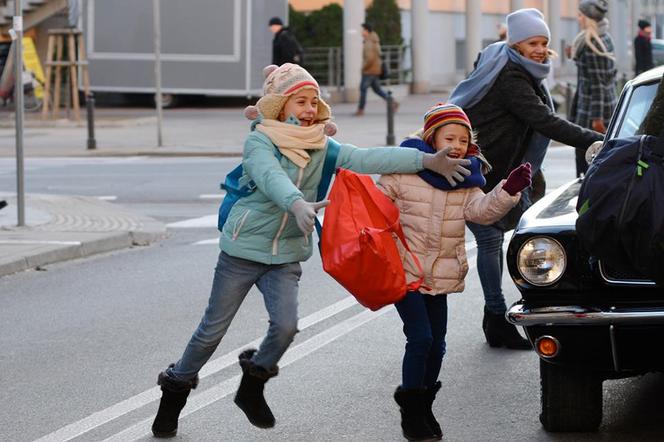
[[83, 341]]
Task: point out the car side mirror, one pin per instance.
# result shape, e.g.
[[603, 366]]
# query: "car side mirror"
[[593, 150]]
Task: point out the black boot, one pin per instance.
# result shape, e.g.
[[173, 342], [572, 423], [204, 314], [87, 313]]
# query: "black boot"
[[174, 395], [412, 404], [498, 332], [430, 396], [249, 396]]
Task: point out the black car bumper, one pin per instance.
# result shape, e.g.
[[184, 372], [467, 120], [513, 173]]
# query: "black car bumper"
[[616, 341]]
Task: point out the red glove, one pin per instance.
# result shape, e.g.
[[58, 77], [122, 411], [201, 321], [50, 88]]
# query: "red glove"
[[518, 179]]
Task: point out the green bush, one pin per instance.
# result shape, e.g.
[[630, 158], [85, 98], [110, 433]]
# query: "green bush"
[[323, 27], [385, 18]]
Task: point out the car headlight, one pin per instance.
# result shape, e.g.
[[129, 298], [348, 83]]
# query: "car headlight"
[[541, 261]]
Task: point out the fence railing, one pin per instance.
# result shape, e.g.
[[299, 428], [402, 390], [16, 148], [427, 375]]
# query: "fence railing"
[[326, 64]]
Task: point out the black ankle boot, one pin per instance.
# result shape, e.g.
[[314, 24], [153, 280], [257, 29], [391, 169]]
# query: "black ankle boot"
[[249, 396], [174, 395], [498, 332], [430, 397], [412, 405]]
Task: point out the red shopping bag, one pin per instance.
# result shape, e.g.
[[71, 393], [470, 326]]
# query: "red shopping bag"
[[358, 245]]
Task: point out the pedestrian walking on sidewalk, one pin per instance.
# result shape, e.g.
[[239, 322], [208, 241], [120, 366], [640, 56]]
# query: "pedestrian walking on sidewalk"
[[285, 47], [592, 51], [268, 233], [433, 216], [508, 102], [643, 48], [372, 68]]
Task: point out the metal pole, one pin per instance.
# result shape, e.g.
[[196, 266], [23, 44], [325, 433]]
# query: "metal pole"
[[90, 106], [18, 101], [157, 67], [390, 119]]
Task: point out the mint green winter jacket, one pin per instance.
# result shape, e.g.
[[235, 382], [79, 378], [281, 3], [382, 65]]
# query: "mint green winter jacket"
[[260, 228]]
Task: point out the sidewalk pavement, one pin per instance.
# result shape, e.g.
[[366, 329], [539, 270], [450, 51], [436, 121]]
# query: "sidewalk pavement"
[[61, 228]]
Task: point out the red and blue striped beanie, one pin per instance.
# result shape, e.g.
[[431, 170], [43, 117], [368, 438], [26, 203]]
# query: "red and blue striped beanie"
[[442, 114]]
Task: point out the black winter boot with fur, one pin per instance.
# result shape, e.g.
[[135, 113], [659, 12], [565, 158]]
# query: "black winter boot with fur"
[[498, 332], [174, 395], [249, 396], [430, 418], [412, 404]]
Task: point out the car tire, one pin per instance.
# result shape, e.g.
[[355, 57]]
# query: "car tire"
[[571, 399]]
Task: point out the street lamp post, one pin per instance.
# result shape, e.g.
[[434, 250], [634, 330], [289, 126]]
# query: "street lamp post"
[[157, 67], [17, 35]]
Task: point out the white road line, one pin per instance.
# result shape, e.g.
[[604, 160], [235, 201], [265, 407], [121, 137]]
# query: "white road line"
[[213, 196], [195, 223], [228, 386], [133, 403], [25, 241], [207, 242]]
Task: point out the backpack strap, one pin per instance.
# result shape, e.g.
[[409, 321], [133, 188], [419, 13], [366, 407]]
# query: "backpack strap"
[[329, 165]]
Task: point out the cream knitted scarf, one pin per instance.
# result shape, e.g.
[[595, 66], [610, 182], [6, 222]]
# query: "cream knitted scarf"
[[292, 140]]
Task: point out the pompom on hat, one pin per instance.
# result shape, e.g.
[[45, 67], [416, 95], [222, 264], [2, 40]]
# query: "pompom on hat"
[[280, 83], [524, 24], [442, 114]]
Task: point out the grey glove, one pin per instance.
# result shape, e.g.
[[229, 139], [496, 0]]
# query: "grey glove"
[[451, 168], [305, 213]]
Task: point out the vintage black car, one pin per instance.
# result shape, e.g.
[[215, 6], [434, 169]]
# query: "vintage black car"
[[587, 321]]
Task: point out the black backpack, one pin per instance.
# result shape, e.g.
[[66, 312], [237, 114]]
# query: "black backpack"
[[621, 206]]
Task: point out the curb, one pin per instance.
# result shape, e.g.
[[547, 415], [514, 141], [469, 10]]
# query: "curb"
[[104, 243]]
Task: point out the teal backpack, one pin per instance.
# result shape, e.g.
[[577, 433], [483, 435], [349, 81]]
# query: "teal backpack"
[[235, 190]]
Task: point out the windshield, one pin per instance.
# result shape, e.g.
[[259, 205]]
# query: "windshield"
[[637, 108]]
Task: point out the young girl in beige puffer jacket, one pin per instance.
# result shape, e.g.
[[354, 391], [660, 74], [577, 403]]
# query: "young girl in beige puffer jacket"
[[433, 215]]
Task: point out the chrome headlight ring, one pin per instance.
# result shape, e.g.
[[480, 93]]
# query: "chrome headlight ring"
[[541, 261]]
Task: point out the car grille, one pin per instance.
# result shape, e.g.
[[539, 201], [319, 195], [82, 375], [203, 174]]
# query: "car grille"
[[622, 277]]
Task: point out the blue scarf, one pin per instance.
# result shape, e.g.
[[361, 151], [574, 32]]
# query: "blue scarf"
[[475, 179], [492, 60]]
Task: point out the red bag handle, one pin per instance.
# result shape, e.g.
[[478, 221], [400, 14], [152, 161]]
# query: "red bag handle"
[[392, 226]]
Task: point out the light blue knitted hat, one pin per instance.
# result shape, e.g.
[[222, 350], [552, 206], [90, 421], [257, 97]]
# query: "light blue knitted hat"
[[524, 24]]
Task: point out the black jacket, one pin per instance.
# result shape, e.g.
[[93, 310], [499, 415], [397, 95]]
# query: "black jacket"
[[643, 54], [285, 48], [507, 116]]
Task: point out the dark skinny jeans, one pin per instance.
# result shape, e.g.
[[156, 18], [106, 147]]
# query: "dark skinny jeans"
[[424, 324]]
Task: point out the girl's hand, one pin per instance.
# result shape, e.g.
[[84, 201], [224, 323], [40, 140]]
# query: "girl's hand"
[[305, 213], [598, 125], [518, 179], [452, 169]]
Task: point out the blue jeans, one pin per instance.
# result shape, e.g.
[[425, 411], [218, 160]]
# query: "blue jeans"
[[489, 241], [374, 82], [233, 278], [424, 324]]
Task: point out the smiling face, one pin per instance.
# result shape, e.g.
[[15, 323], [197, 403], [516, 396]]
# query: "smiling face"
[[455, 136], [534, 48], [303, 105]]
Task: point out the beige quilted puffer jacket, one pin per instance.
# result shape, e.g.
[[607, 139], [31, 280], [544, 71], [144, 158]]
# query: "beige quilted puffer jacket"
[[434, 222]]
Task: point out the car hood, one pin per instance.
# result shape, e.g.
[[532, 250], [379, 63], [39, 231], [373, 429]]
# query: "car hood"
[[556, 209]]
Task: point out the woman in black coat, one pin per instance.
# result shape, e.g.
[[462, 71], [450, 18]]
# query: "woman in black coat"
[[510, 107]]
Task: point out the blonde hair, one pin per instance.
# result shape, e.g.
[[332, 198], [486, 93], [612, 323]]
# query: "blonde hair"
[[591, 35]]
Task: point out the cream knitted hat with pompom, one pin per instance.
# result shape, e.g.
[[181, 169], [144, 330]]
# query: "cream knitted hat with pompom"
[[280, 83]]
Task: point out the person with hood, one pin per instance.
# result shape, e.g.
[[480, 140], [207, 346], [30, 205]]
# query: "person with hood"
[[643, 48], [508, 102], [592, 51], [285, 47], [372, 68]]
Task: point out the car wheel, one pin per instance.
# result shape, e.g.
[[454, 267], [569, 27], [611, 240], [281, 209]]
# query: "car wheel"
[[168, 101], [571, 399]]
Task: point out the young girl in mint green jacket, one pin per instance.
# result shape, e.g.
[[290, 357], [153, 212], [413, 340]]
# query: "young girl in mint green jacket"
[[268, 233]]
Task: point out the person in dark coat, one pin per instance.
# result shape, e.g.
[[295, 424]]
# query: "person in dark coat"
[[509, 105], [592, 51], [285, 47], [643, 48]]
